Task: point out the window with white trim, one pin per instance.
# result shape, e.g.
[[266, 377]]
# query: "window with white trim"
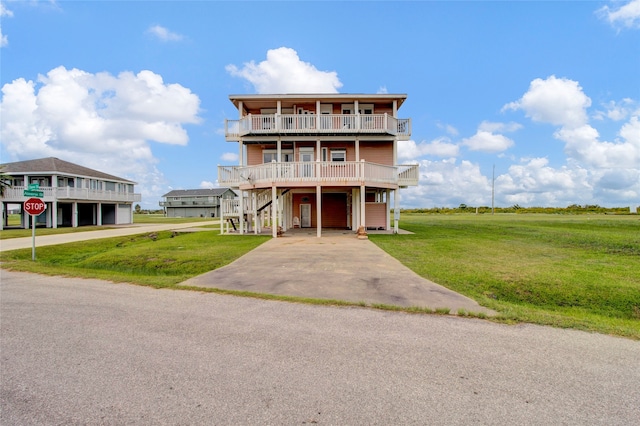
[[270, 155], [338, 155]]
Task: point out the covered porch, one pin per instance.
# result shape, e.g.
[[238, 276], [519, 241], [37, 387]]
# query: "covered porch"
[[322, 208]]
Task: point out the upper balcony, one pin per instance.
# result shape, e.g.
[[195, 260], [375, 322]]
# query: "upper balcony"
[[16, 195], [317, 125], [327, 173]]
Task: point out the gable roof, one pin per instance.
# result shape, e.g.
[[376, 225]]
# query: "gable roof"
[[211, 192], [54, 165]]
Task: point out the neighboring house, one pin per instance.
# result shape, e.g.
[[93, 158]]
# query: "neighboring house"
[[195, 202], [74, 195], [317, 161]]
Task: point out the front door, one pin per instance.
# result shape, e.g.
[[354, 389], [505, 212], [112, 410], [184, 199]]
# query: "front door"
[[305, 215]]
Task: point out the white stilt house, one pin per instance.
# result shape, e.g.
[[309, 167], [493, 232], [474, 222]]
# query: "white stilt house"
[[316, 161]]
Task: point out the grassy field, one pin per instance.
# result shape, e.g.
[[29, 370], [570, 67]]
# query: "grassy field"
[[578, 271], [567, 271]]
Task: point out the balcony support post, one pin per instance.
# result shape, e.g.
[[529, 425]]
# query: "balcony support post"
[[396, 210], [318, 211], [363, 206], [387, 202], [274, 210], [241, 212]]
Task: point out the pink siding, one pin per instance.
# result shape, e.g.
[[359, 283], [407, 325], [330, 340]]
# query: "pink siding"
[[377, 152], [376, 215], [254, 155]]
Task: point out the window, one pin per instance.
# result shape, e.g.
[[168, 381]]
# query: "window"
[[339, 155], [270, 155]]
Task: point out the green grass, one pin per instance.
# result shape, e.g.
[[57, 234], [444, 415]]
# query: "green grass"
[[163, 262], [567, 271]]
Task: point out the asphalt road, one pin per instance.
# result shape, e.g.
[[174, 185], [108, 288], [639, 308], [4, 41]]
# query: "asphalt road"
[[78, 351]]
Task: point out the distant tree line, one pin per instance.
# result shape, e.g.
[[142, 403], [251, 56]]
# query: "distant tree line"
[[572, 209]]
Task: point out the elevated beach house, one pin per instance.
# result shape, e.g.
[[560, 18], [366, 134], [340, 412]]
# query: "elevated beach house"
[[195, 202], [316, 161], [74, 195]]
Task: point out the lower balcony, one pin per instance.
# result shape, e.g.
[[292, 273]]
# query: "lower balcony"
[[335, 173], [16, 195]]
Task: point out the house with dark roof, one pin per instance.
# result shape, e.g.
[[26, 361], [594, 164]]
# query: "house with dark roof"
[[195, 202], [74, 195]]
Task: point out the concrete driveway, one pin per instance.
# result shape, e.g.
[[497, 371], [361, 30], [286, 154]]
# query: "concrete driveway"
[[337, 266]]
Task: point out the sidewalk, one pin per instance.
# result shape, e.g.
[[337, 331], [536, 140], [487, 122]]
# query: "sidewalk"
[[119, 231]]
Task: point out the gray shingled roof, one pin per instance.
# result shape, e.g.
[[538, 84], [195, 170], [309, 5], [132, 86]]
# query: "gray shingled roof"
[[52, 165], [212, 192]]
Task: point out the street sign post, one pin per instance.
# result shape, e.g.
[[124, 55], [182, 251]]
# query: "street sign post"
[[30, 193], [34, 207]]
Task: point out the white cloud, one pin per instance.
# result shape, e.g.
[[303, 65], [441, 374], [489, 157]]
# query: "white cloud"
[[618, 111], [229, 156], [488, 142], [488, 126], [447, 183], [163, 33], [284, 72], [97, 120], [557, 101], [205, 184], [625, 16], [448, 128], [382, 90], [4, 40], [409, 150]]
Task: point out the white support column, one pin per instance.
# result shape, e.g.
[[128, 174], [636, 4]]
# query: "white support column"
[[241, 212], [3, 215], [387, 202], [274, 210], [363, 194], [396, 210], [221, 215], [279, 150], [355, 208], [54, 213], [74, 215], [357, 143], [318, 211], [99, 214], [254, 201]]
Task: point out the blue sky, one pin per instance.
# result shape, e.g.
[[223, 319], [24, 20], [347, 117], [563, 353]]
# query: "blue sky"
[[547, 92]]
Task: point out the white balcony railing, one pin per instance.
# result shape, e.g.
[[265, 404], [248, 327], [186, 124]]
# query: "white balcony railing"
[[16, 194], [279, 124], [323, 172]]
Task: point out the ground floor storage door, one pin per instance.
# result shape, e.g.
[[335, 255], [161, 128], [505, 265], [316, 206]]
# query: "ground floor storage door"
[[334, 210], [124, 214]]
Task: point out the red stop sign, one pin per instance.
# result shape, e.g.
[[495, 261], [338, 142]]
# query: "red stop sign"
[[34, 206]]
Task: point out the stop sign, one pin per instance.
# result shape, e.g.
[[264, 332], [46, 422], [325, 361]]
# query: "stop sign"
[[34, 206]]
